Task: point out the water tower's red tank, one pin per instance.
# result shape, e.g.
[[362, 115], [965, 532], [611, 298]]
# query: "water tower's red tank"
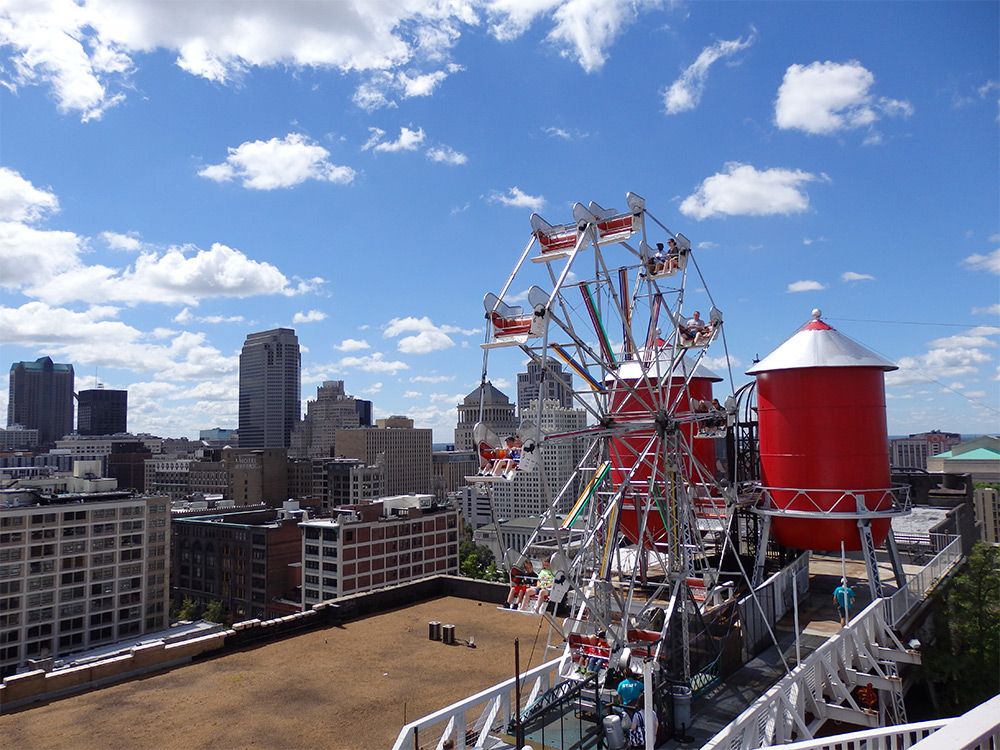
[[821, 411], [640, 403]]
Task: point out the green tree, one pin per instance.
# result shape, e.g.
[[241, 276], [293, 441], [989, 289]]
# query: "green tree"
[[214, 612], [475, 560], [189, 609], [965, 656]]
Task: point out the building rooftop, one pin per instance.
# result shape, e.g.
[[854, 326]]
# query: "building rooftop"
[[339, 687]]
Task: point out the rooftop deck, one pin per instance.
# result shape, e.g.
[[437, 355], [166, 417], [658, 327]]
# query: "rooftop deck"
[[338, 687]]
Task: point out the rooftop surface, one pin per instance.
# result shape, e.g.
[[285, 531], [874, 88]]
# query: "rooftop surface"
[[339, 687]]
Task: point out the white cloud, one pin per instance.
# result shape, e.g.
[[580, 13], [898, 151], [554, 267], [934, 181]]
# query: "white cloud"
[[372, 389], [425, 342], [31, 256], [947, 357], [853, 276], [742, 190], [127, 242], [173, 277], [989, 262], [22, 201], [684, 94], [993, 309], [432, 378], [446, 155], [706, 245], [806, 285], [312, 316], [352, 345], [186, 316], [278, 163], [807, 241], [825, 97], [409, 140], [586, 28], [378, 90], [517, 198], [95, 337], [559, 133], [375, 362]]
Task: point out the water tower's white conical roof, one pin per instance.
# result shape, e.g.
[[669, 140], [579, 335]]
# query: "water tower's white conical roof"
[[817, 344]]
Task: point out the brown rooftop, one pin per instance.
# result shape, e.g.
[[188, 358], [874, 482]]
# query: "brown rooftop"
[[336, 687]]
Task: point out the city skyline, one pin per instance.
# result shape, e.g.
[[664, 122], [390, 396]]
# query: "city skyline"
[[203, 189]]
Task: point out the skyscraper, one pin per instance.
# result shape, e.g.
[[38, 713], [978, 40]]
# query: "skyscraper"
[[497, 414], [332, 410], [270, 388], [556, 384], [101, 412], [41, 398]]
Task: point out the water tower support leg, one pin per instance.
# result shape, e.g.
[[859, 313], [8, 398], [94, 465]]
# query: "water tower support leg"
[[761, 558], [895, 559], [871, 561]]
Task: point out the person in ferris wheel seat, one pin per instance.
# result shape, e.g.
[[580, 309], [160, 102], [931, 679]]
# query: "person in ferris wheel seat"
[[673, 256], [546, 578], [656, 263], [520, 579]]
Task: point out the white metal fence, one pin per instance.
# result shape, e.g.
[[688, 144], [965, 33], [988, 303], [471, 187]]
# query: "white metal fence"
[[769, 602], [469, 723], [885, 738], [917, 586]]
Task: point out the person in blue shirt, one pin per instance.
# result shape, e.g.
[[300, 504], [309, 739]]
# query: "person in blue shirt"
[[843, 595]]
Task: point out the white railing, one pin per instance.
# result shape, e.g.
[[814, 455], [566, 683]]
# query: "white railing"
[[477, 715], [820, 686], [978, 729], [769, 602], [885, 738], [917, 586]]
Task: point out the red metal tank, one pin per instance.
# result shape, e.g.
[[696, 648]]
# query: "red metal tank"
[[641, 403], [821, 411]]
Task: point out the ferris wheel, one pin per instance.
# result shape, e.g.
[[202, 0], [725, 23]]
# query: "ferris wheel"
[[635, 529]]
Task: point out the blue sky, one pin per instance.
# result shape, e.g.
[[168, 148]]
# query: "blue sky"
[[176, 175]]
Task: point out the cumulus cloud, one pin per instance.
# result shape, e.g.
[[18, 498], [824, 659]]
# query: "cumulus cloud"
[[83, 50], [947, 357], [409, 140], [96, 337], [432, 378], [426, 337], [806, 285], [989, 262], [853, 276], [126, 242], [446, 155], [380, 88], [33, 256], [174, 276], [352, 345], [21, 201], [185, 316], [993, 309], [312, 316], [375, 362], [684, 94], [278, 163], [742, 190], [823, 98], [517, 198]]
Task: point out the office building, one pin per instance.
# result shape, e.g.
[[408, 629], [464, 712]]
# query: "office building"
[[247, 560], [405, 453], [385, 542], [987, 504], [18, 438], [556, 385], [270, 388], [219, 437], [332, 410], [980, 458], [41, 398], [101, 412], [912, 452], [451, 468], [78, 571], [127, 464], [496, 412]]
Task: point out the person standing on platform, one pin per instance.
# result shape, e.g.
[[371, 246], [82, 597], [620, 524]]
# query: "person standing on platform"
[[843, 595]]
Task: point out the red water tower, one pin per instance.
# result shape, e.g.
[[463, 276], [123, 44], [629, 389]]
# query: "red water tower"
[[639, 392], [824, 450]]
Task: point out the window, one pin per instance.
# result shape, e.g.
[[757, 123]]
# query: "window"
[[73, 548], [10, 571], [43, 582], [69, 531], [10, 603], [39, 535], [312, 549], [13, 537], [314, 580], [74, 515], [11, 522], [43, 550], [10, 587], [43, 566], [67, 579], [10, 555], [37, 600]]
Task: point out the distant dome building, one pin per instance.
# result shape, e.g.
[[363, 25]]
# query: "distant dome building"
[[498, 415]]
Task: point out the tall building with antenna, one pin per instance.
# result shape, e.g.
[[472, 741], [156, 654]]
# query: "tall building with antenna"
[[101, 411], [270, 388]]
